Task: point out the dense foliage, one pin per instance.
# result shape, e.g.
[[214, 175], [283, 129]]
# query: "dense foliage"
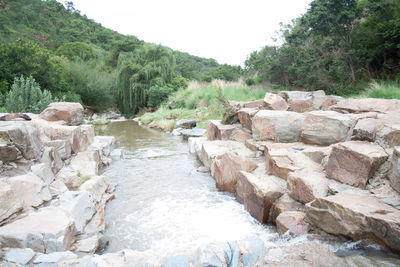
[[336, 46], [77, 59]]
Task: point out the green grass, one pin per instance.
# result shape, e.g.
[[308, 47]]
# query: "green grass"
[[387, 90]]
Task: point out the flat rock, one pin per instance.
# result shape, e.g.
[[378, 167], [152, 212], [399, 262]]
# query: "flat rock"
[[363, 105], [218, 131], [88, 245], [226, 167], [325, 127], [19, 255], [354, 162], [306, 185], [71, 113], [10, 203], [104, 143], [195, 144], [69, 177], [255, 104], [278, 126], [86, 163], [44, 172], [53, 258], [241, 135], [301, 105], [357, 216], [57, 188], [293, 222], [252, 249], [258, 195], [388, 133], [195, 132], [275, 102]]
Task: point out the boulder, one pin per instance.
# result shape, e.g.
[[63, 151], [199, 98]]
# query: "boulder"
[[363, 105], [195, 132], [318, 98], [325, 127], [44, 172], [96, 186], [301, 105], [195, 144], [388, 133], [208, 255], [357, 216], [218, 131], [245, 116], [259, 104], [275, 102], [252, 249], [241, 135], [354, 162], [30, 189], [88, 245], [62, 146], [291, 96], [394, 175], [98, 222], [71, 113], [306, 185], [293, 222], [57, 188], [316, 153], [284, 203], [52, 259], [10, 203], [86, 163], [257, 195], [278, 126], [52, 158], [186, 124], [330, 100], [226, 167], [21, 136], [47, 230], [19, 255], [365, 130], [69, 177]]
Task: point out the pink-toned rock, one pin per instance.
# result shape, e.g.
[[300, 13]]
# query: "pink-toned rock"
[[218, 131], [246, 117], [284, 203], [394, 175], [362, 105], [53, 159], [330, 101], [278, 126], [388, 133], [258, 195], [354, 162], [275, 102], [365, 130], [326, 127], [305, 185], [241, 135], [357, 216], [71, 113], [10, 201], [226, 168], [292, 221], [301, 105], [255, 104]]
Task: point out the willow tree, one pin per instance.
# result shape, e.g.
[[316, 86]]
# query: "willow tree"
[[140, 70]]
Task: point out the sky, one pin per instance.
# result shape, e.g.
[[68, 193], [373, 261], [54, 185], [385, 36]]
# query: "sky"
[[226, 30]]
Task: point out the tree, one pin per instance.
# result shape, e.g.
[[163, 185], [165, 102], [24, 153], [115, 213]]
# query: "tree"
[[75, 50]]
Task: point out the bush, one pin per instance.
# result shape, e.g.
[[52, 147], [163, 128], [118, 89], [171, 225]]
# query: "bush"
[[157, 94], [179, 82], [250, 81], [69, 97], [26, 96], [76, 50]]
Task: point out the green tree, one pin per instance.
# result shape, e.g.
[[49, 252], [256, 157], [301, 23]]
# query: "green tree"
[[75, 50]]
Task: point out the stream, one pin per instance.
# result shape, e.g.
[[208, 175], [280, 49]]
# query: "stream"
[[163, 205]]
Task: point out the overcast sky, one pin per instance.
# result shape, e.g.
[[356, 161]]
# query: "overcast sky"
[[227, 30]]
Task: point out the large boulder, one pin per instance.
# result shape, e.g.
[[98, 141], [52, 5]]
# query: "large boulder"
[[218, 131], [354, 162], [363, 105], [86, 163], [275, 102], [71, 113], [388, 133], [278, 126], [96, 187], [306, 185], [18, 137], [44, 172], [394, 175], [326, 127], [330, 100], [52, 158], [10, 203], [258, 195], [293, 222], [30, 189], [365, 130], [245, 116], [357, 216], [255, 104], [48, 230], [62, 146], [226, 167]]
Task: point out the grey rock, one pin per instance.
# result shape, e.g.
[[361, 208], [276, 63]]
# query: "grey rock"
[[254, 250], [19, 255], [62, 146], [9, 201], [186, 124], [195, 132], [44, 172], [231, 253], [206, 257], [176, 261], [391, 201], [54, 257]]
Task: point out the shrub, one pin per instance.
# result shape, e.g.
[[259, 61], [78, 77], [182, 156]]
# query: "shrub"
[[179, 82], [76, 50], [250, 81], [26, 96], [157, 94]]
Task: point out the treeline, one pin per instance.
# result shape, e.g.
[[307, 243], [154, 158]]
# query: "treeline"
[[73, 58], [337, 46]]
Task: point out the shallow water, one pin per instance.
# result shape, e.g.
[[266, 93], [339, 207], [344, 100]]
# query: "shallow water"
[[163, 205]]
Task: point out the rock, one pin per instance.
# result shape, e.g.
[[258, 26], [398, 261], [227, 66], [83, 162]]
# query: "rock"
[[365, 130], [207, 256], [79, 206], [71, 113], [252, 248], [62, 146], [202, 169], [30, 189], [186, 124], [275, 102], [88, 245], [10, 203], [87, 134], [226, 167], [354, 162], [388, 133], [257, 195], [318, 98], [330, 101], [19, 255], [316, 153], [98, 222], [53, 258], [195, 144], [52, 158], [301, 105], [86, 163], [21, 136], [255, 104], [231, 253], [245, 116], [8, 152], [218, 131], [69, 177], [96, 186], [211, 149], [176, 261], [176, 132], [57, 188], [48, 230], [284, 203], [290, 96], [278, 126], [325, 127], [357, 216], [306, 185], [394, 174], [44, 172], [256, 145], [293, 222], [195, 132], [241, 135], [363, 105]]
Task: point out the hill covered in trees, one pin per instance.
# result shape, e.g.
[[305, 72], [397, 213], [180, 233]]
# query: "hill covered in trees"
[[337, 46], [77, 59]]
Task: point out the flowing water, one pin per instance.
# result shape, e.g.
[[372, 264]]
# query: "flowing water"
[[163, 205]]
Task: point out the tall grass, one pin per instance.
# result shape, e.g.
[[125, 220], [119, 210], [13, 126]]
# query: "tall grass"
[[380, 89]]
